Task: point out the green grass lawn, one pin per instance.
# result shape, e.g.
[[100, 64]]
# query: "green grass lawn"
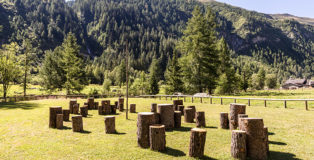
[[24, 133]]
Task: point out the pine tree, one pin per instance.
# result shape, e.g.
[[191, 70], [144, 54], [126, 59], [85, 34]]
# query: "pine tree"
[[73, 65], [261, 77], [200, 60], [154, 77], [173, 76], [27, 61]]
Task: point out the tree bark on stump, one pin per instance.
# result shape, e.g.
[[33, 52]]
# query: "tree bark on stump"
[[132, 108], [157, 137], [240, 117], [144, 120], [121, 104], [90, 102], [72, 102], [235, 109], [117, 104], [166, 115], [101, 110], [110, 124], [106, 107], [254, 128], [96, 105], [177, 119], [84, 111], [266, 139], [76, 108], [77, 123], [238, 144], [153, 107], [113, 109], [156, 118], [224, 120], [188, 115], [66, 114], [53, 116], [197, 142], [200, 119], [59, 122], [176, 103], [181, 108]]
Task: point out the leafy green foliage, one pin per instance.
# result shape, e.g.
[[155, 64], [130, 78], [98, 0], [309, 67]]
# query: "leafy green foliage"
[[271, 81], [154, 77], [173, 76]]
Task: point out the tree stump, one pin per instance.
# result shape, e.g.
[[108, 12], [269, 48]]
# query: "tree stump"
[[72, 102], [132, 108], [116, 103], [240, 116], [59, 122], [96, 105], [238, 144], [177, 119], [157, 137], [235, 109], [193, 110], [53, 116], [153, 107], [90, 103], [101, 110], [181, 108], [254, 128], [224, 120], [66, 114], [110, 124], [77, 123], [166, 115], [113, 109], [156, 118], [188, 115], [200, 119], [76, 108], [106, 107], [84, 111], [144, 120], [266, 139], [176, 103], [197, 142], [121, 104]]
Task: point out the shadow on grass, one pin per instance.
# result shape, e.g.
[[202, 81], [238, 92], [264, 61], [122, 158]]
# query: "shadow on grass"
[[282, 155], [208, 158], [119, 133], [18, 105], [181, 129], [271, 133], [86, 132], [277, 143], [66, 128], [212, 127], [173, 152]]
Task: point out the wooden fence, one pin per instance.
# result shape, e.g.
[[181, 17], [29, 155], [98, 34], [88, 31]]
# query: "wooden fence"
[[265, 100]]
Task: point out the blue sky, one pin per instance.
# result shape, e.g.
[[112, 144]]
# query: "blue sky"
[[301, 8]]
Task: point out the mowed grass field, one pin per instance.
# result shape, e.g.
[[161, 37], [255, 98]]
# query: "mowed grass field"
[[24, 133]]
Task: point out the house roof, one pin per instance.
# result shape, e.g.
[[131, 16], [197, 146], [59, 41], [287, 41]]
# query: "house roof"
[[296, 81]]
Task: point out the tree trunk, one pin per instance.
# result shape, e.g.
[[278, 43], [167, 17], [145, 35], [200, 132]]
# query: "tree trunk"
[[121, 104], [240, 117], [224, 121], [144, 120], [166, 115], [91, 103], [197, 142], [106, 107], [96, 105], [266, 139], [235, 109], [156, 118], [200, 119], [153, 107], [177, 119], [193, 110], [101, 110], [77, 123], [113, 109], [117, 104], [76, 108], [84, 111], [66, 114], [59, 122], [238, 144], [72, 102], [157, 137], [132, 108], [188, 115], [181, 108], [110, 124], [254, 128], [176, 103], [53, 116]]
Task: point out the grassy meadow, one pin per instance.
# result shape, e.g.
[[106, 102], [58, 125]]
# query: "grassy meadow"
[[24, 133]]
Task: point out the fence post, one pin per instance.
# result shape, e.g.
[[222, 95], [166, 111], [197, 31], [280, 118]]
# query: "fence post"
[[285, 104], [211, 100], [221, 101], [265, 103], [201, 99], [249, 102], [192, 99], [184, 98], [235, 100], [170, 97], [159, 97], [306, 106]]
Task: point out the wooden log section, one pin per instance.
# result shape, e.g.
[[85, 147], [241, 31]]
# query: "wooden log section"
[[188, 115], [132, 108], [121, 104], [66, 114], [96, 105], [59, 122], [181, 108], [84, 111], [166, 115], [177, 119], [240, 116], [176, 103], [224, 120], [106, 107], [77, 123], [238, 144], [200, 119], [113, 109], [153, 107], [110, 124], [156, 118], [144, 120], [254, 128], [76, 108], [53, 116], [101, 110], [157, 137], [197, 142], [116, 103], [193, 110], [72, 102], [235, 109], [266, 139], [91, 103]]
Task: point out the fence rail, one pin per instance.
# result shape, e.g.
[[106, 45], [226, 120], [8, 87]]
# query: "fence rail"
[[234, 98]]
